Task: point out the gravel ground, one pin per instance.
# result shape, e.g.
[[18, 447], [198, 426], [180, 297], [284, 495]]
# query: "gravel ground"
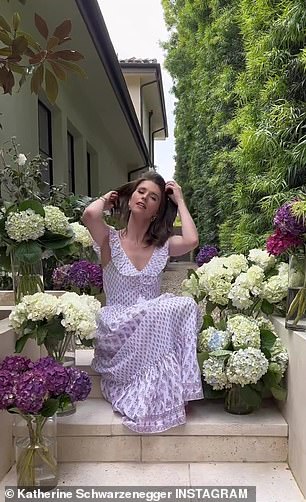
[[173, 276]]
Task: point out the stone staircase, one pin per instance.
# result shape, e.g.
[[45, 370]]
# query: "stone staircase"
[[95, 434], [213, 448]]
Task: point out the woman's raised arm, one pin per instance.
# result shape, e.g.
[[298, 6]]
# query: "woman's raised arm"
[[93, 217], [189, 240]]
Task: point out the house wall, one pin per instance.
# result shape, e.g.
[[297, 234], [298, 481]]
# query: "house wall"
[[133, 84], [72, 112]]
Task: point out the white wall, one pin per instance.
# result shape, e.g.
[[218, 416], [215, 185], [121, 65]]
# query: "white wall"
[[294, 408], [133, 84]]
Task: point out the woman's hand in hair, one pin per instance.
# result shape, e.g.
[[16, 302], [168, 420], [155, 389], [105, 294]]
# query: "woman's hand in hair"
[[174, 192], [110, 199]]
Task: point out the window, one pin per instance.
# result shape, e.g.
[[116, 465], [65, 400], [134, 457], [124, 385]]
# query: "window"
[[88, 174], [71, 167], [45, 141]]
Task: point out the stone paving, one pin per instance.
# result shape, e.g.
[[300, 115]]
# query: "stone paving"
[[174, 274]]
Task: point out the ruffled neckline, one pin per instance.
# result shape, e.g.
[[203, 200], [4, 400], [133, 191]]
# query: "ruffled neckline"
[[124, 265]]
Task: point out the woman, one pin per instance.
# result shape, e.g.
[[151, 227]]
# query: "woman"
[[146, 342]]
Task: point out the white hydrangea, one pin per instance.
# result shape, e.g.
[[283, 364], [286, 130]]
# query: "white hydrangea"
[[25, 225], [261, 258], [283, 268], [275, 288], [81, 235], [264, 323], [211, 339], [246, 366], [279, 355], [245, 332], [215, 280], [255, 277], [56, 221], [214, 374], [78, 311], [240, 293], [36, 307], [79, 314], [237, 263], [190, 287]]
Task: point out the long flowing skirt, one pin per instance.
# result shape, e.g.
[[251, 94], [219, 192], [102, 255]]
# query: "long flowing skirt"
[[146, 355]]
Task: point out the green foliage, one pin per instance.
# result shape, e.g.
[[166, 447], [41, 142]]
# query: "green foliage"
[[239, 70], [21, 54]]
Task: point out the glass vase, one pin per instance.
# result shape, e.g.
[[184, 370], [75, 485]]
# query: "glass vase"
[[27, 277], [64, 353], [235, 403], [296, 299], [36, 453]]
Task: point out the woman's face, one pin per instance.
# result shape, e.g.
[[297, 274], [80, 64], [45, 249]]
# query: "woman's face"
[[146, 199]]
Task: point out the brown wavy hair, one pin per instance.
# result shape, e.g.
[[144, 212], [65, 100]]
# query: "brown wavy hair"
[[162, 227]]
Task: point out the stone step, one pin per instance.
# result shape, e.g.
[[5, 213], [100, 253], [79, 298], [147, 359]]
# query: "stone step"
[[274, 481], [96, 434]]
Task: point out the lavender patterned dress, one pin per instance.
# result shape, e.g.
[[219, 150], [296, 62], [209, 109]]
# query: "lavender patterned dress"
[[146, 344]]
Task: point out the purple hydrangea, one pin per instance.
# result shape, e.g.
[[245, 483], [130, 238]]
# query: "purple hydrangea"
[[60, 276], [31, 391], [80, 274], [84, 274], [57, 380], [57, 377], [7, 389], [79, 385], [287, 222], [30, 384], [205, 254], [15, 364]]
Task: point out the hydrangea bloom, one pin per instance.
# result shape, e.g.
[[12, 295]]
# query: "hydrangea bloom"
[[261, 258], [240, 294], [28, 389], [16, 364], [190, 287], [56, 375], [205, 254], [287, 221], [79, 314], [264, 323], [25, 225], [237, 263], [215, 279], [212, 339], [279, 355], [214, 373], [81, 235], [7, 388], [37, 307], [245, 332], [275, 288], [246, 366], [60, 276], [84, 274], [31, 391], [79, 385], [56, 221], [279, 242]]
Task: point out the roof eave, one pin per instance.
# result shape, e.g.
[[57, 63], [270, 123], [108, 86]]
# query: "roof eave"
[[157, 68], [93, 18]]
